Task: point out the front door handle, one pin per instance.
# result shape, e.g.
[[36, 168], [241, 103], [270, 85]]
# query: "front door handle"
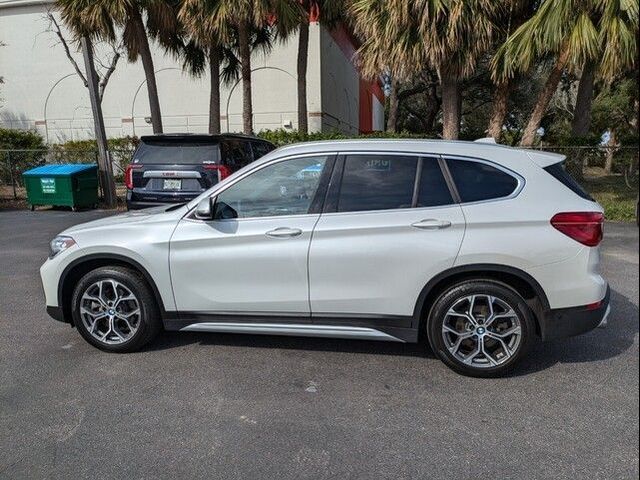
[[284, 232], [431, 224]]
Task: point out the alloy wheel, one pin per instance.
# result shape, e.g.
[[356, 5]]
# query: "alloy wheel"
[[482, 331], [110, 312]]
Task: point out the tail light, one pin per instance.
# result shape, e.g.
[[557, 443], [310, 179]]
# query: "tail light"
[[223, 171], [583, 227], [128, 174]]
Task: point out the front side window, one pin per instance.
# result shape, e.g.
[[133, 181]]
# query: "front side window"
[[478, 181], [377, 182], [283, 188]]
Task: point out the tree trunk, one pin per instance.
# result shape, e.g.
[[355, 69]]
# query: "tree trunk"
[[450, 107], [549, 89], [394, 103], [303, 53], [499, 109], [245, 69], [582, 113], [149, 71], [434, 104], [214, 97], [105, 169], [611, 150]]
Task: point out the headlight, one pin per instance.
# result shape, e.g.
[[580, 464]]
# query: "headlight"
[[59, 244]]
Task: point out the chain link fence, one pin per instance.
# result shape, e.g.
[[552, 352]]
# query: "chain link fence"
[[584, 162], [14, 162]]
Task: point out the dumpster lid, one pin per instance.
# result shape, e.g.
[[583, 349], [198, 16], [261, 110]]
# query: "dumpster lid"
[[60, 170]]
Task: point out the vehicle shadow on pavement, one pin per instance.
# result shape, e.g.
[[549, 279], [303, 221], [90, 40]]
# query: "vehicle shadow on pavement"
[[597, 345], [600, 344], [176, 339]]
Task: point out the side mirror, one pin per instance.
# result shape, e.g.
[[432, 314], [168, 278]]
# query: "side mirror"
[[204, 210]]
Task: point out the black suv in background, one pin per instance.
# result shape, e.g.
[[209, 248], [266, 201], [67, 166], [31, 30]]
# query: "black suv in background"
[[172, 168]]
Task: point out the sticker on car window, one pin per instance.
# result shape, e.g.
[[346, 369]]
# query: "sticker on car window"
[[378, 164]]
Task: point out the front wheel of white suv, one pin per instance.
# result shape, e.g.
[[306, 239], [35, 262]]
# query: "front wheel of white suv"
[[480, 328], [115, 310]]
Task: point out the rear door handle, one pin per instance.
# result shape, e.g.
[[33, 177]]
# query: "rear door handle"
[[284, 232], [431, 224]]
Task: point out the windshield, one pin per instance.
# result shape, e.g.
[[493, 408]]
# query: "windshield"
[[175, 153]]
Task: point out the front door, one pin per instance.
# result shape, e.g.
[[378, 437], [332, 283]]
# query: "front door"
[[252, 258]]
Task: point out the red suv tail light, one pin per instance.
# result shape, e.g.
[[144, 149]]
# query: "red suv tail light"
[[223, 171], [583, 227], [128, 174]]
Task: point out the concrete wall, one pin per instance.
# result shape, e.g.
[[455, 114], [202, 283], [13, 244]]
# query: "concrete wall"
[[42, 91], [340, 83]]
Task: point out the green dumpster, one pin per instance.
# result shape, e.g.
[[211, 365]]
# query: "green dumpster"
[[72, 185]]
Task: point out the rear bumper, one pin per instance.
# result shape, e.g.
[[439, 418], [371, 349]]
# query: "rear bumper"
[[136, 201], [568, 322]]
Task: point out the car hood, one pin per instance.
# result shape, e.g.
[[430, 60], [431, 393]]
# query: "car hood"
[[138, 216]]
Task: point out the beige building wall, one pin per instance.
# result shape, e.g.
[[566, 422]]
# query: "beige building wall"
[[43, 92]]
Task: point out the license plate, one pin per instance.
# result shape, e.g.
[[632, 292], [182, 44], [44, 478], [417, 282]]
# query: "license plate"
[[171, 184]]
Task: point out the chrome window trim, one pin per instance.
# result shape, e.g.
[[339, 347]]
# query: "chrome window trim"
[[521, 181]]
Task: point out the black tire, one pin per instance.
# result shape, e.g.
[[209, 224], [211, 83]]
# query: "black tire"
[[149, 322], [458, 293]]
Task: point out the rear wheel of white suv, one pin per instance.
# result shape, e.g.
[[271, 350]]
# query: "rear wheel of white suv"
[[480, 328], [115, 310]]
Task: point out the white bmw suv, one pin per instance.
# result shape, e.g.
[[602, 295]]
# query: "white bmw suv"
[[479, 248]]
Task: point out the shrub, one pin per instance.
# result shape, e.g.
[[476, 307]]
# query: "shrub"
[[86, 151], [283, 137], [27, 150]]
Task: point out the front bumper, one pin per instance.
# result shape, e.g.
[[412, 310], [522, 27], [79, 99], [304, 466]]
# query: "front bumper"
[[568, 322]]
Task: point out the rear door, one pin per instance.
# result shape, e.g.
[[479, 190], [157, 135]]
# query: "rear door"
[[389, 226]]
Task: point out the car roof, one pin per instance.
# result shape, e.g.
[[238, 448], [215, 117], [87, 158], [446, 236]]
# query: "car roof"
[[501, 154], [197, 137]]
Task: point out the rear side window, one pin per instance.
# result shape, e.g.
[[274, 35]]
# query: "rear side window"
[[260, 149], [377, 182], [236, 154], [559, 172], [478, 181], [174, 153]]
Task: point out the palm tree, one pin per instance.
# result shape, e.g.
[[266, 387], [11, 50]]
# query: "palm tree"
[[248, 19], [617, 33], [206, 43], [561, 29], [518, 12], [103, 17], [406, 36], [325, 11], [218, 49]]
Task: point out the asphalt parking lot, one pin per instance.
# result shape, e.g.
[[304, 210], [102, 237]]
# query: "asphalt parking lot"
[[252, 407]]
